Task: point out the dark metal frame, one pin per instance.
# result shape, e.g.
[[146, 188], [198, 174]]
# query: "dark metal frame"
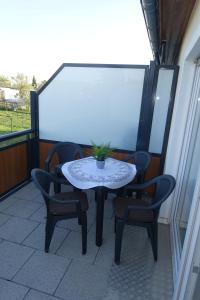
[[34, 147], [147, 108], [169, 114]]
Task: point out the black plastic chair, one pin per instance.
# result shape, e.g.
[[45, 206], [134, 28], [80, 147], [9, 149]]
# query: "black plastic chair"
[[142, 160], [61, 206], [65, 151], [142, 212]]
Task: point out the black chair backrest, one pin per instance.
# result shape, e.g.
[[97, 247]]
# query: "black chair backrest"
[[164, 187], [42, 180], [67, 151], [142, 160]]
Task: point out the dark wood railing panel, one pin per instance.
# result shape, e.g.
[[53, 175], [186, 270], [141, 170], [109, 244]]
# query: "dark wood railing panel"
[[13, 166], [153, 170], [44, 148]]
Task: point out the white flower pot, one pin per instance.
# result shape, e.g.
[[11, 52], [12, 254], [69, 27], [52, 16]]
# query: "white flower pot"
[[100, 164]]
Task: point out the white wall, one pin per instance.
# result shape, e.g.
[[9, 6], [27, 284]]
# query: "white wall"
[[84, 104], [190, 50]]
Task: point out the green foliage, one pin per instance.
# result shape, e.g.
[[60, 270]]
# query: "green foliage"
[[5, 81], [20, 82], [40, 84], [34, 83], [102, 151], [12, 121]]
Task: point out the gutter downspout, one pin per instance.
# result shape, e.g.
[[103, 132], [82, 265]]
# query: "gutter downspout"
[[150, 12]]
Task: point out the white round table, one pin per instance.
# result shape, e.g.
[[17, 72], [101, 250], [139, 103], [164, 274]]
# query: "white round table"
[[84, 174]]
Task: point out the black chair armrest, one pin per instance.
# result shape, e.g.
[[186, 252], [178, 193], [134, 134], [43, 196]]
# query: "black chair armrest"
[[149, 207], [140, 186]]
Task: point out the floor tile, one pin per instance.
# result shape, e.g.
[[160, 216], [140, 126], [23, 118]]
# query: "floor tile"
[[72, 224], [42, 272], [3, 218], [35, 295], [38, 198], [7, 202], [11, 291], [37, 238], [27, 193], [105, 255], [17, 229], [12, 257], [83, 281], [113, 295], [138, 277], [39, 215], [22, 208], [72, 247]]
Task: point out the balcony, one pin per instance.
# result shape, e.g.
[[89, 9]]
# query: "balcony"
[[116, 108]]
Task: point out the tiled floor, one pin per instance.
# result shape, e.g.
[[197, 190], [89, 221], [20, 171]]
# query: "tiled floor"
[[26, 272]]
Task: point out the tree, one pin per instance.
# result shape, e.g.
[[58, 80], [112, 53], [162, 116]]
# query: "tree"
[[20, 82], [34, 83], [4, 81], [41, 83]]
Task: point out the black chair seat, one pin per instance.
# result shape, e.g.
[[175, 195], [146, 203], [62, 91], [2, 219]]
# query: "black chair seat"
[[61, 206], [134, 216], [57, 208]]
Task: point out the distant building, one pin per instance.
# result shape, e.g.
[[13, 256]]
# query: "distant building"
[[9, 98]]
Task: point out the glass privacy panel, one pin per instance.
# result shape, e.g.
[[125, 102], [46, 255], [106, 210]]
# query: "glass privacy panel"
[[84, 104], [162, 98]]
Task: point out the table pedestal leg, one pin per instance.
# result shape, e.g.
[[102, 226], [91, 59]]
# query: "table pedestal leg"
[[99, 214]]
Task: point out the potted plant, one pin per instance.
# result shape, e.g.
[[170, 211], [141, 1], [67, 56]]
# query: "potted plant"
[[100, 153]]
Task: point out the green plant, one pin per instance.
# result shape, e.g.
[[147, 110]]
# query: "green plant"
[[102, 151]]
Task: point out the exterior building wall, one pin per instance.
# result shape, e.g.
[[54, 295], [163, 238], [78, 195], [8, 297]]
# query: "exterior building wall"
[[190, 51]]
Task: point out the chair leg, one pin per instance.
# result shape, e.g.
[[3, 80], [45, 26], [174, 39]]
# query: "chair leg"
[[84, 232], [79, 220], [115, 222], [50, 225], [95, 195], [148, 232], [154, 240], [118, 239], [120, 192], [57, 188], [106, 195], [139, 195]]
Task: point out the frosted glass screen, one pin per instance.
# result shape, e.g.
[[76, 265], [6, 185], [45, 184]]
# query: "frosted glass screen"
[[84, 104], [162, 99]]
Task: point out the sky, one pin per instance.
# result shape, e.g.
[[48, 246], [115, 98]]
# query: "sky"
[[36, 37]]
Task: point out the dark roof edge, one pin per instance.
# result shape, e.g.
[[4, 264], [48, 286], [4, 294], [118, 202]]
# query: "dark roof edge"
[[150, 13]]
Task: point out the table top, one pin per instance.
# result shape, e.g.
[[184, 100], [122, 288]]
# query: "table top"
[[83, 173]]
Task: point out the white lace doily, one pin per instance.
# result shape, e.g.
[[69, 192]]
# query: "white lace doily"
[[83, 173]]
